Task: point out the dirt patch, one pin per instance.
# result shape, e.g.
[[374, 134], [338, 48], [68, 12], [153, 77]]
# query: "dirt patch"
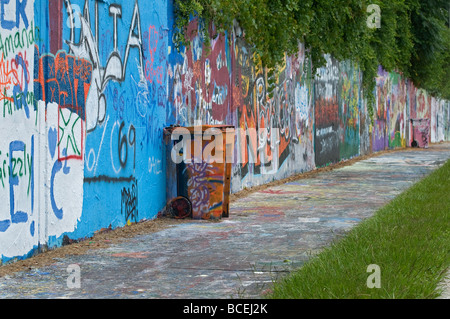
[[101, 239]]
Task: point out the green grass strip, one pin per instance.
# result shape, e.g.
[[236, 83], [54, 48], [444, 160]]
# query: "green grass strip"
[[409, 239]]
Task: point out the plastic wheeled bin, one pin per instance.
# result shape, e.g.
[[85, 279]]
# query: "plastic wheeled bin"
[[199, 163]]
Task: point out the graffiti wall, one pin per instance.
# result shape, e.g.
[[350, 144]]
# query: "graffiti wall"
[[84, 103], [87, 87], [126, 41], [338, 100], [224, 85], [292, 121], [19, 131], [391, 107]]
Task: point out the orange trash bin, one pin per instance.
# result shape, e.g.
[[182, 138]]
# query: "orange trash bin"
[[199, 164]]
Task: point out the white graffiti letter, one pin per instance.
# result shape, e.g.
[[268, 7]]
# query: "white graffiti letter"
[[135, 41]]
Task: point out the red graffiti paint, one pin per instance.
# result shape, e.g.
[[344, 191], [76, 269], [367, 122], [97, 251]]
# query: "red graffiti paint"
[[9, 76], [152, 74]]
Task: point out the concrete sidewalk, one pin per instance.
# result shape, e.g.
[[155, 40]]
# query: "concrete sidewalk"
[[269, 233]]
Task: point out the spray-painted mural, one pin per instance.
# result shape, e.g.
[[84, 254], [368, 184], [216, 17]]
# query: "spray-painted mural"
[[19, 131], [338, 102], [87, 87], [223, 85], [84, 108], [391, 118], [125, 107]]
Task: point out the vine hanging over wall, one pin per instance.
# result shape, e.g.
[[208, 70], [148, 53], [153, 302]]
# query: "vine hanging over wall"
[[413, 37]]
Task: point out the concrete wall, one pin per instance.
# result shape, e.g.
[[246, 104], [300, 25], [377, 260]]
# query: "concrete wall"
[[225, 87], [84, 105], [85, 99]]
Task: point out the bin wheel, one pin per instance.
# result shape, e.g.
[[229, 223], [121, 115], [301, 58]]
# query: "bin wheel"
[[414, 144], [180, 207]]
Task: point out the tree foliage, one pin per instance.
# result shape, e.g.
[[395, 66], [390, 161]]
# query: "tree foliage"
[[413, 39]]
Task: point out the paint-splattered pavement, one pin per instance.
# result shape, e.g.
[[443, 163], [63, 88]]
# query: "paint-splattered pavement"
[[268, 233]]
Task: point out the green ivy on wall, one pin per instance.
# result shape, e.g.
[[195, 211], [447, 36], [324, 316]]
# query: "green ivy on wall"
[[413, 36]]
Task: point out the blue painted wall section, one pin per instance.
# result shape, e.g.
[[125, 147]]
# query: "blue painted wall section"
[[125, 109]]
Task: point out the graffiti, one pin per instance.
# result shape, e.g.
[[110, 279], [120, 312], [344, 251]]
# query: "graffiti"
[[125, 140], [15, 77], [337, 112], [18, 168], [349, 105], [87, 88], [421, 132], [154, 166], [63, 79], [19, 146], [201, 184], [219, 94], [440, 124], [8, 75], [326, 134], [276, 116], [152, 74], [201, 85], [425, 132], [20, 14], [57, 166], [326, 116], [129, 206], [115, 68], [63, 164], [225, 86], [21, 39], [301, 105], [20, 91], [18, 141], [446, 117], [70, 135], [390, 127]]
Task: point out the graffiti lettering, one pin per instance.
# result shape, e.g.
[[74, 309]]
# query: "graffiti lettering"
[[21, 39], [154, 166], [152, 74], [20, 14], [57, 166], [115, 68], [129, 207], [123, 140], [63, 79], [27, 162], [17, 167]]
